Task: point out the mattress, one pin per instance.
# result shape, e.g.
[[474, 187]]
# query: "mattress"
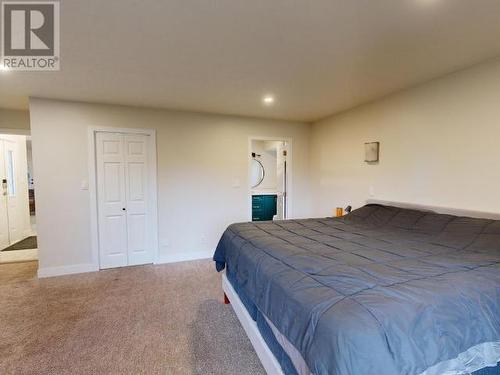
[[382, 291]]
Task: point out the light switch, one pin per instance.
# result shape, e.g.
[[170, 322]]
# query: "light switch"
[[371, 191], [236, 182], [84, 185]]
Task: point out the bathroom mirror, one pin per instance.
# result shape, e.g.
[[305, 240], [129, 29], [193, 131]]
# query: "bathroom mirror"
[[257, 173]]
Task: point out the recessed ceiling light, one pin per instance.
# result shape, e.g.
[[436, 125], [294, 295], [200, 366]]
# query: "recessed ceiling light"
[[268, 100]]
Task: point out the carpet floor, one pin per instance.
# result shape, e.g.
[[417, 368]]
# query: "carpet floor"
[[161, 319]]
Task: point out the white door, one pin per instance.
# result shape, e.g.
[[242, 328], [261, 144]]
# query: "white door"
[[122, 196], [111, 200], [4, 219], [282, 181], [13, 191], [136, 194], [14, 202]]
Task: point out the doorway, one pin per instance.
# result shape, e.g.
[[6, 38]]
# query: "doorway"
[[18, 241], [270, 178], [125, 197]]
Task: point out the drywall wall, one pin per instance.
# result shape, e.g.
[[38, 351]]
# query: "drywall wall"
[[439, 145], [202, 176], [11, 120]]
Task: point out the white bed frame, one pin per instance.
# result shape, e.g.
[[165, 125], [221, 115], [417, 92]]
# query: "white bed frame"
[[269, 361]]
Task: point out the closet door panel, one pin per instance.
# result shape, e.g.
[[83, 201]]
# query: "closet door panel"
[[137, 174], [112, 218]]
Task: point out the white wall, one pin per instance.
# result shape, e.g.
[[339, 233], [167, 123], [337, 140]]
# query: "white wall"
[[200, 157], [12, 120], [440, 145]]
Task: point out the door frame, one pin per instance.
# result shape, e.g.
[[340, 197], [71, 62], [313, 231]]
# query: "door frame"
[[289, 164], [25, 132], [92, 185], [26, 232]]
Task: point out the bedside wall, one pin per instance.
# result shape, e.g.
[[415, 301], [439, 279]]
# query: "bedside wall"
[[439, 145]]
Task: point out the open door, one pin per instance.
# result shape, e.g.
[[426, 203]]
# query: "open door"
[[282, 181], [269, 176], [14, 203], [16, 212], [4, 219]]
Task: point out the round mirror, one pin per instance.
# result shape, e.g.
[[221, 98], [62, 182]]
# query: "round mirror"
[[257, 173]]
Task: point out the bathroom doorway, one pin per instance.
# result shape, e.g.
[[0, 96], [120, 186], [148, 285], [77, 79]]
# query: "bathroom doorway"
[[270, 178]]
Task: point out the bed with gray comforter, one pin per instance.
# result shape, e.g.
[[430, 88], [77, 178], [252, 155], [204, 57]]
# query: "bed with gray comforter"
[[383, 290]]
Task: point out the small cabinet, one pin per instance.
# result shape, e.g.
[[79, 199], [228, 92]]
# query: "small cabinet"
[[263, 207]]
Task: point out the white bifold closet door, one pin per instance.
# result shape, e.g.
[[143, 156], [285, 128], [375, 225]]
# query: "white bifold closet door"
[[123, 199]]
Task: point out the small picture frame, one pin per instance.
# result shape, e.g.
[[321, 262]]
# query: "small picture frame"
[[372, 150]]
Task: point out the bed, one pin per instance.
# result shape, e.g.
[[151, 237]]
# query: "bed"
[[384, 290]]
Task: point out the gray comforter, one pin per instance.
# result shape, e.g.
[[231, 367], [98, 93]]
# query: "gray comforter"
[[383, 290]]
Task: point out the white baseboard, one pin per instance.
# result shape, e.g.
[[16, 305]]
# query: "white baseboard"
[[81, 268], [66, 270], [183, 257]]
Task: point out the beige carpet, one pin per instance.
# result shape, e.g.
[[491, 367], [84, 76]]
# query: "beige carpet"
[[165, 319]]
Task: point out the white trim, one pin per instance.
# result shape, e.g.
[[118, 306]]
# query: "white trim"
[[183, 257], [269, 361], [289, 162], [66, 270], [94, 228], [438, 209]]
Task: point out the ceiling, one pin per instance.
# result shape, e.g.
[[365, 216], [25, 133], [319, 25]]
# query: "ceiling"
[[316, 57]]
